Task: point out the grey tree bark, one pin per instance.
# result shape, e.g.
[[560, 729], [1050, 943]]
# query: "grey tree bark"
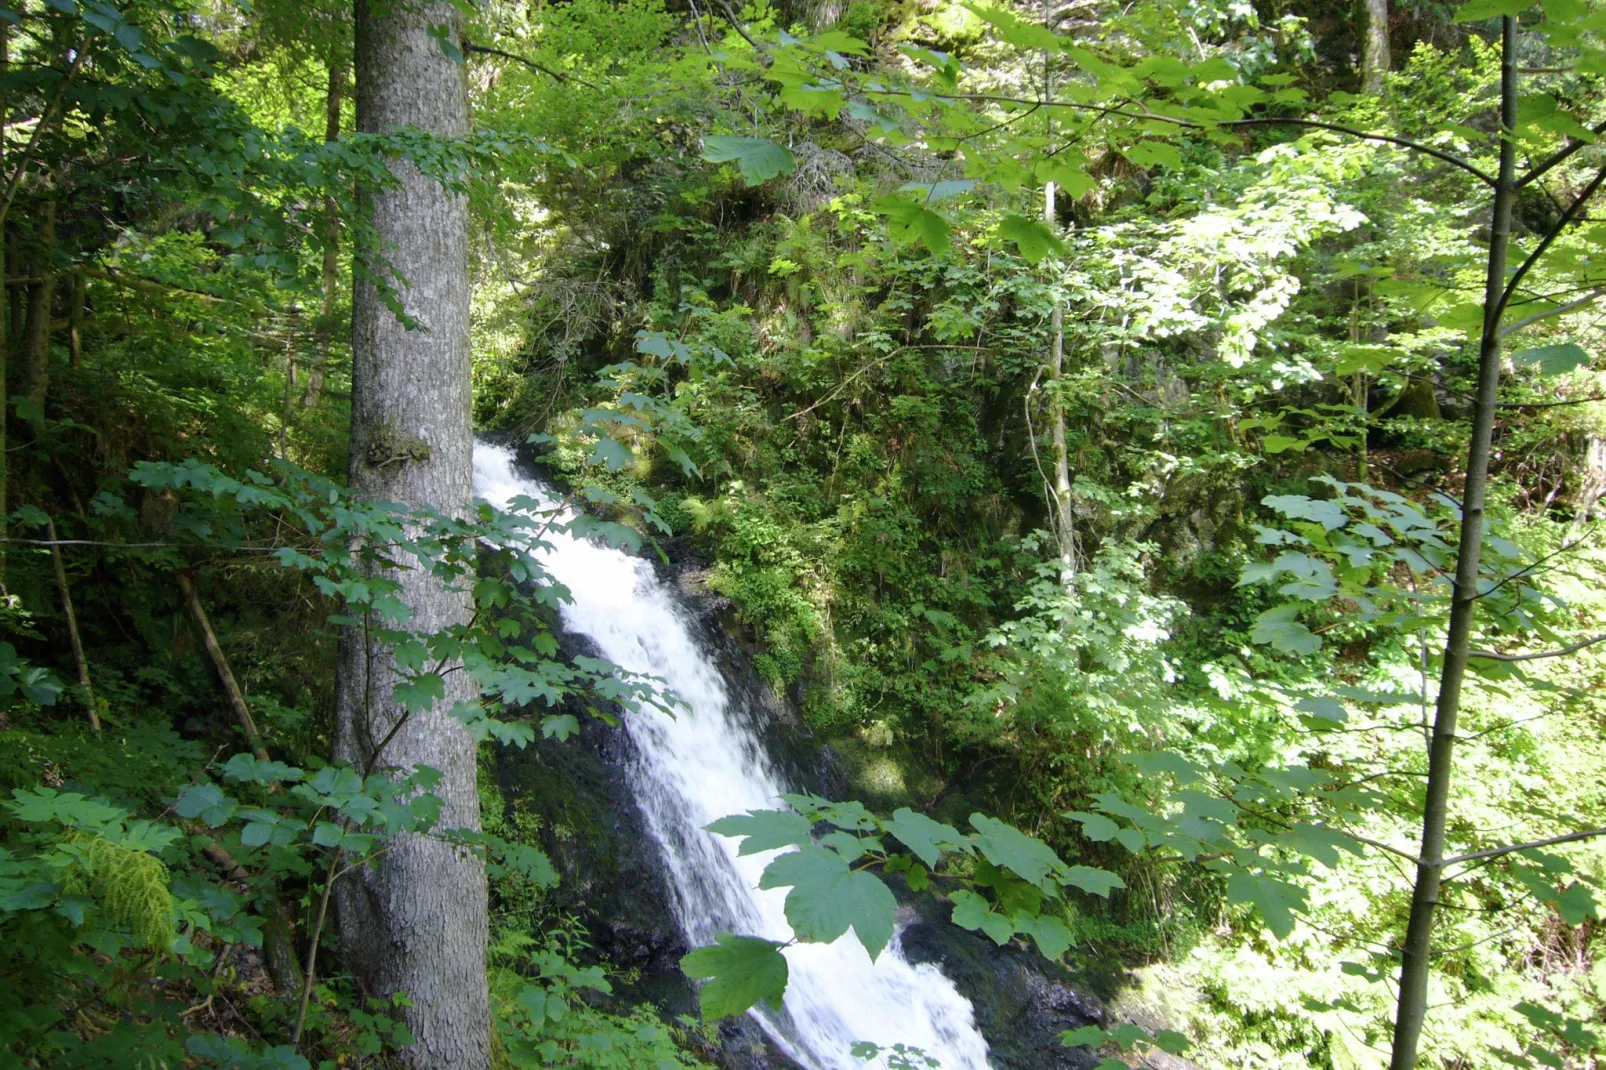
[[1375, 46], [414, 919]]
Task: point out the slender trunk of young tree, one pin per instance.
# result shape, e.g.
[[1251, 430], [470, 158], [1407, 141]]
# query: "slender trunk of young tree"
[[331, 248], [1375, 46], [1064, 515], [1416, 952], [1064, 512], [414, 919], [41, 300]]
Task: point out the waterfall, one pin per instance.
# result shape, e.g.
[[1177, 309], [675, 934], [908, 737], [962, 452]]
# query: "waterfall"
[[706, 762]]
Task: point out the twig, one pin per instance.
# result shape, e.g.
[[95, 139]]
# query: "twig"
[[532, 64], [1570, 306], [736, 23]]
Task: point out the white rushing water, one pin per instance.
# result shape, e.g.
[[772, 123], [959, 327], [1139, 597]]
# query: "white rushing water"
[[705, 763]]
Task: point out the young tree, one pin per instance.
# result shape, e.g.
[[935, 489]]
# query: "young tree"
[[415, 920]]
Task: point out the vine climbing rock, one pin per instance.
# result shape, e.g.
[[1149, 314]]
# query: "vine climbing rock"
[[414, 919]]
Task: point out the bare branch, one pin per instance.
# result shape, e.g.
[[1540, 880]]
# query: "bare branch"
[[1482, 856], [1562, 310], [1489, 655], [548, 71], [1381, 846]]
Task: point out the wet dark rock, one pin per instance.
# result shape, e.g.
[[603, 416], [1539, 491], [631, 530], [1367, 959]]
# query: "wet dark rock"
[[1022, 1001]]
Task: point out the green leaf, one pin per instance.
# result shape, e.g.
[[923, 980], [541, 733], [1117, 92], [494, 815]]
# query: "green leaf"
[[1577, 904], [611, 452], [1153, 153], [1320, 843], [765, 830], [561, 725], [1088, 1036], [758, 159], [828, 898], [1027, 857], [1198, 804], [1032, 237], [970, 909], [1478, 10], [925, 837], [839, 41], [1155, 763], [1000, 928], [910, 222], [327, 834], [1015, 30], [1279, 628], [248, 767], [1093, 881], [1276, 900], [206, 802], [741, 970], [1325, 710], [938, 191], [1051, 935], [420, 692], [1066, 174], [1552, 360], [128, 36], [1282, 443], [1095, 827]]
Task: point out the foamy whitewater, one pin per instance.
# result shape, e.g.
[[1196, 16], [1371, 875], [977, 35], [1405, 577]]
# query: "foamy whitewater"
[[705, 763]]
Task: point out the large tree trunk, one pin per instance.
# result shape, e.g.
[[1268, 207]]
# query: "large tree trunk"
[[415, 918], [1375, 46]]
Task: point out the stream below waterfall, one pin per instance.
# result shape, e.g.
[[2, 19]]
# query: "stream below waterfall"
[[706, 762]]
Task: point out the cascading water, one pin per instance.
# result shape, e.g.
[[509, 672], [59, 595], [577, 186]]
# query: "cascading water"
[[705, 763]]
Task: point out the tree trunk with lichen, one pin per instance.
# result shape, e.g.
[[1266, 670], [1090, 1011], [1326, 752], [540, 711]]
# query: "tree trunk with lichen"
[[414, 919], [1375, 46]]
